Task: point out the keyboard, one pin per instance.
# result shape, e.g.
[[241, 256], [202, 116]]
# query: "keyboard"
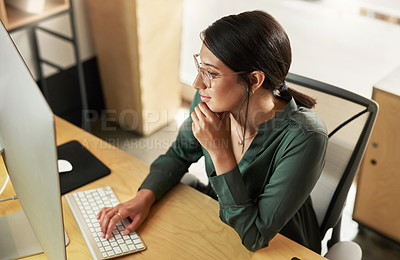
[[85, 205]]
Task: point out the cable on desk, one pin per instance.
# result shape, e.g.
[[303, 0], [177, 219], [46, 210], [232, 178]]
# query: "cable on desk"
[[10, 198], [4, 185]]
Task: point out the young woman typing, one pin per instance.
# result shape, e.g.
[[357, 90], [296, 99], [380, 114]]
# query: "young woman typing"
[[264, 148]]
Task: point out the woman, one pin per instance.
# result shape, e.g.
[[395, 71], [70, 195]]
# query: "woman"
[[264, 148]]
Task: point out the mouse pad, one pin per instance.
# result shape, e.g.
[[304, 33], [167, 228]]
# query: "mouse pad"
[[86, 166]]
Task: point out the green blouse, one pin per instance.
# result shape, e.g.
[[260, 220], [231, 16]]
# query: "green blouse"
[[269, 190]]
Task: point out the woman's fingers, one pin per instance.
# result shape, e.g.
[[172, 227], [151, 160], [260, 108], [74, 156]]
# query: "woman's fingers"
[[137, 209], [114, 219], [102, 216], [202, 116], [194, 117], [108, 218], [100, 213], [136, 221], [205, 110]]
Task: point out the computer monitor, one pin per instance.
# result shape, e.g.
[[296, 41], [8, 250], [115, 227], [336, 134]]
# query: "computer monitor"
[[27, 138]]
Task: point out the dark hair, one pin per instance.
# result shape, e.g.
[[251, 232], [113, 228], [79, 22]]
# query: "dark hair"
[[255, 41]]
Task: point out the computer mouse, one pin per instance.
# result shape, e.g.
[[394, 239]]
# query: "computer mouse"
[[64, 166]]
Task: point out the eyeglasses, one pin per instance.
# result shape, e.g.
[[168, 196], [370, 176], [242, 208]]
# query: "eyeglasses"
[[208, 76]]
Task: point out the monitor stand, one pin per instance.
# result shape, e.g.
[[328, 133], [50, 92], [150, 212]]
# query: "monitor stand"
[[18, 239]]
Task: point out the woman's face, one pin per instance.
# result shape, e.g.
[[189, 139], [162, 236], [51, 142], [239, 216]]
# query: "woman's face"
[[225, 93]]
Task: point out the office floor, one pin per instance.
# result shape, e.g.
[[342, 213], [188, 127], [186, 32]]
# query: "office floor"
[[147, 149]]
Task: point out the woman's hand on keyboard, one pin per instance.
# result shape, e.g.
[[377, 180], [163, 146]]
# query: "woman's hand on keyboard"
[[137, 209]]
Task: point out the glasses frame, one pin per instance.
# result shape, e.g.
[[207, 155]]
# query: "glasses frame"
[[206, 76]]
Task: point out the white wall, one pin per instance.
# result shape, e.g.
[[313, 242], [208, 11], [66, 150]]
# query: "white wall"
[[330, 41], [58, 51], [387, 4]]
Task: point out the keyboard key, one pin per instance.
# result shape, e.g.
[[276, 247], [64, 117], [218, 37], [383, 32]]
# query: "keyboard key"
[[117, 250], [101, 193], [134, 236], [86, 205], [124, 248], [139, 246]]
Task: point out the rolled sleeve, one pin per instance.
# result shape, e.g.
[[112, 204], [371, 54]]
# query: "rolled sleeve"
[[230, 188]]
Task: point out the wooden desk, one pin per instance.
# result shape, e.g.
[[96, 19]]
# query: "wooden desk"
[[183, 225]]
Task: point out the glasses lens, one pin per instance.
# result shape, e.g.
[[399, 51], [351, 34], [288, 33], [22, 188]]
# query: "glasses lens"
[[204, 74], [206, 78], [197, 62]]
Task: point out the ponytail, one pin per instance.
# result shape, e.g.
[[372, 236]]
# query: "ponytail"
[[301, 99]]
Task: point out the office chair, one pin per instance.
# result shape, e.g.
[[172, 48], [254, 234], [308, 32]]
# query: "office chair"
[[349, 119]]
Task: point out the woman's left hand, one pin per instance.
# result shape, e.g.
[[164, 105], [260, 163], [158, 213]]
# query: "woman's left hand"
[[212, 132]]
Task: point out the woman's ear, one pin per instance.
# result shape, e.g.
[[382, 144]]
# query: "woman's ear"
[[256, 80]]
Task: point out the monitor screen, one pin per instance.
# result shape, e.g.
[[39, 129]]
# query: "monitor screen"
[[27, 135]]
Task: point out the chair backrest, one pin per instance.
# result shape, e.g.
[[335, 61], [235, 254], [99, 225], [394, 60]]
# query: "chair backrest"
[[349, 119]]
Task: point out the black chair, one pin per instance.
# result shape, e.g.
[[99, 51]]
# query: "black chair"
[[349, 119]]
